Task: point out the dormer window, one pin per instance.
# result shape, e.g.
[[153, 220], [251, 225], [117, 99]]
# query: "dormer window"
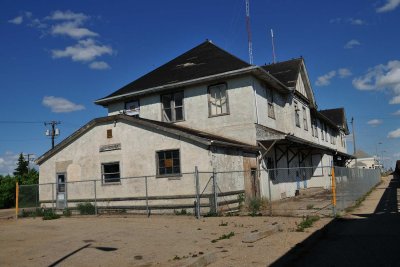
[[172, 107], [132, 108]]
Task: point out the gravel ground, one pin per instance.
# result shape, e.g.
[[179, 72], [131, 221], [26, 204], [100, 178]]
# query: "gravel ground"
[[140, 241]]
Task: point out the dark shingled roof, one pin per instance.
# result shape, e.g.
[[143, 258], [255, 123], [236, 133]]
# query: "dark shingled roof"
[[286, 72], [337, 116], [203, 60]]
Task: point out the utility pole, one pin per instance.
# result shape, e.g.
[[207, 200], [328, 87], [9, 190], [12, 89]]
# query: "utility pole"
[[53, 132], [354, 139], [29, 158]]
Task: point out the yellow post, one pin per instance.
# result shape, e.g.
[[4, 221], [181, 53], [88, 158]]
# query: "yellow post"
[[16, 199], [333, 191]]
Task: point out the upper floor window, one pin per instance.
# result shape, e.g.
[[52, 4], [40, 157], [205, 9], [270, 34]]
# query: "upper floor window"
[[270, 99], [305, 122], [172, 106], [218, 100], [132, 108], [297, 114], [322, 130], [314, 127], [326, 132]]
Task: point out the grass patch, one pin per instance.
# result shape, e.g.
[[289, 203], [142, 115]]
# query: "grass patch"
[[38, 212], [224, 236], [310, 206], [223, 223], [307, 222], [181, 212], [67, 212]]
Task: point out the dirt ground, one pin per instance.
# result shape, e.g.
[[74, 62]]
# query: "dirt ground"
[[162, 240]]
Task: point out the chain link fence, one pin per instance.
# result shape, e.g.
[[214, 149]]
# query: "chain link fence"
[[299, 191]]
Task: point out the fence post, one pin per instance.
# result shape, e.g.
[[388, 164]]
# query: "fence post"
[[196, 177], [52, 196], [16, 199], [147, 197], [269, 192], [215, 193], [95, 197], [333, 192]]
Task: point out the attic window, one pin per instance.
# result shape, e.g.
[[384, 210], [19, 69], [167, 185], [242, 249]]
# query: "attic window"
[[109, 133], [172, 106]]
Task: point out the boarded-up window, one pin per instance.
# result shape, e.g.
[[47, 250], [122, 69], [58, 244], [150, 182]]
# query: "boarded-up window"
[[270, 99], [109, 133], [297, 114], [218, 100], [168, 162]]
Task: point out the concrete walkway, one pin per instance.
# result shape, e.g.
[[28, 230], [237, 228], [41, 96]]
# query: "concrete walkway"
[[369, 236]]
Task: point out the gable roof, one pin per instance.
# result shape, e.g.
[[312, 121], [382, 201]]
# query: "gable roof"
[[191, 134], [337, 116], [204, 62], [286, 72]]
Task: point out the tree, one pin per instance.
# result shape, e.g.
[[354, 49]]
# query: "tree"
[[22, 166]]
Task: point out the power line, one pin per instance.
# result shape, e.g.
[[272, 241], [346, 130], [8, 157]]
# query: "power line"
[[21, 122]]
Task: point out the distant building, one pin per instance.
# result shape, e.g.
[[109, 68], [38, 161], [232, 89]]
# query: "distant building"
[[364, 161]]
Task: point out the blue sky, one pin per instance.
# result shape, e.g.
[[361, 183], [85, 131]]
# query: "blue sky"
[[57, 57]]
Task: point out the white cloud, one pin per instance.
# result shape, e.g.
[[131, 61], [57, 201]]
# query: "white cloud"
[[389, 6], [60, 105], [84, 51], [396, 155], [374, 122], [67, 15], [354, 21], [394, 134], [344, 72], [99, 65], [72, 29], [382, 77], [325, 79], [351, 44], [17, 20], [397, 113], [8, 162]]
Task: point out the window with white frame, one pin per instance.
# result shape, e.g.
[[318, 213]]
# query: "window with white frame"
[[172, 106], [110, 172], [297, 114], [218, 100], [305, 122], [168, 163], [270, 100]]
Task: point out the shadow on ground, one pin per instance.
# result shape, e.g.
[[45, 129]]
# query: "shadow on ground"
[[369, 240]]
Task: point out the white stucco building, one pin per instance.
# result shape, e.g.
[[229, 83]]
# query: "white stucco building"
[[209, 109]]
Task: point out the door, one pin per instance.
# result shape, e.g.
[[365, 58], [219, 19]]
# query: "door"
[[61, 192]]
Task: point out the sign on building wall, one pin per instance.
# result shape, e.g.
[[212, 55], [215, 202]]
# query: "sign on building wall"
[[110, 147]]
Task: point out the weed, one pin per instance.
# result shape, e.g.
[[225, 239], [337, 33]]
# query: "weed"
[[181, 212], [307, 222], [86, 208], [255, 206], [241, 199], [176, 258], [224, 236], [310, 206], [38, 212], [67, 212], [223, 223]]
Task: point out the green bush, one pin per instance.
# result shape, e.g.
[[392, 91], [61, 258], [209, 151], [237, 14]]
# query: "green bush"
[[49, 214], [86, 208], [67, 212], [307, 222], [255, 206], [38, 212]]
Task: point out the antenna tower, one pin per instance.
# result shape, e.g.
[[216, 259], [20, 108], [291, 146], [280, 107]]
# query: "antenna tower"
[[249, 31], [273, 47]]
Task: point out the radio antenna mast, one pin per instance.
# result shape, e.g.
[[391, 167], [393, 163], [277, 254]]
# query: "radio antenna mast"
[[249, 32], [273, 47]]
